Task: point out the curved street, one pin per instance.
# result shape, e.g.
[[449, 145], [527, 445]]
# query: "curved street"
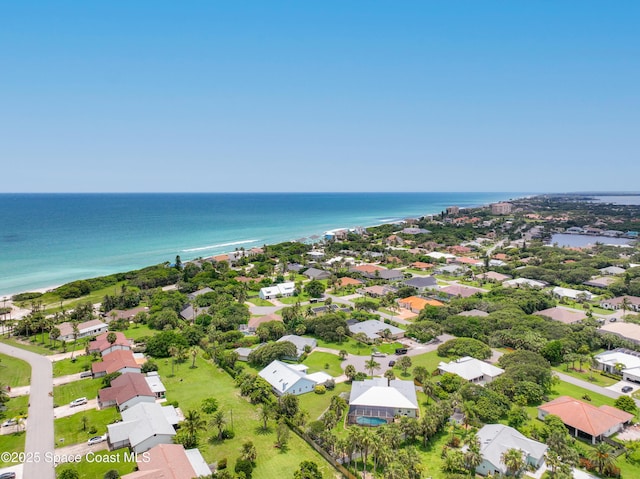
[[40, 436]]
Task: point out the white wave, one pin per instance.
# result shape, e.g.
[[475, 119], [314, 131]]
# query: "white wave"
[[221, 245]]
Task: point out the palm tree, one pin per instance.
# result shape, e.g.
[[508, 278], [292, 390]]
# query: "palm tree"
[[625, 306], [76, 333], [602, 456], [266, 412], [218, 421], [371, 365], [472, 456], [194, 355], [192, 424], [514, 460]]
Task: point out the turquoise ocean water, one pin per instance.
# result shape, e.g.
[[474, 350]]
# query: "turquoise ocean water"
[[50, 239]]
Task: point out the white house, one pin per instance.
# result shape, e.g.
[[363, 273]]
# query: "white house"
[[144, 426], [633, 303], [291, 378], [378, 401], [575, 294], [155, 384], [279, 290], [523, 282], [496, 439], [629, 361], [471, 369], [85, 330]]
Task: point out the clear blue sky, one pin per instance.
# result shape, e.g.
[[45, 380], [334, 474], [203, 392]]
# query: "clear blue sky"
[[319, 96]]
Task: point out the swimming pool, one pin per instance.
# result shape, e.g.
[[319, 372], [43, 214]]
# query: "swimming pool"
[[370, 421]]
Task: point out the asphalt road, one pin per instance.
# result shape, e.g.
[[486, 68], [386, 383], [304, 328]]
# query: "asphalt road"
[[40, 437]]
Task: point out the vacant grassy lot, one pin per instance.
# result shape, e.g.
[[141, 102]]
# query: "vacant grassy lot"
[[83, 388], [14, 372], [428, 360], [326, 362], [34, 347], [316, 404], [12, 443], [137, 331], [593, 377], [69, 430], [190, 386], [64, 367]]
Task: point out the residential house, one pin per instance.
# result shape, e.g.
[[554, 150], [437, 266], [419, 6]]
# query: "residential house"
[[170, 461], [126, 391], [496, 439], [574, 294], [119, 361], [564, 315], [523, 283], [253, 323], [471, 369], [155, 384], [102, 345], [144, 426], [476, 313], [191, 312], [243, 353], [493, 276], [633, 303], [415, 231], [586, 420], [415, 304], [446, 256], [127, 314], [295, 267], [451, 269], [300, 343], [460, 290], [377, 291], [317, 274], [281, 290], [612, 270], [421, 265], [394, 240], [374, 329], [422, 283], [628, 331], [200, 292], [85, 330], [373, 401], [346, 281], [469, 261], [620, 361], [291, 378]]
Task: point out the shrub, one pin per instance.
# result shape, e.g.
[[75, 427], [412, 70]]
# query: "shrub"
[[245, 466], [222, 463], [93, 430], [228, 434], [319, 389]]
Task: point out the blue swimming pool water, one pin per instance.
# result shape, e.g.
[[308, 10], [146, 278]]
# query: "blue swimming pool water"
[[370, 421]]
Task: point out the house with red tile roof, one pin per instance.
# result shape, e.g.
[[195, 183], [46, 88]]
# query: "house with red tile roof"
[[421, 265], [346, 281], [170, 461], [119, 361], [415, 304], [125, 391], [103, 346], [461, 290], [584, 419]]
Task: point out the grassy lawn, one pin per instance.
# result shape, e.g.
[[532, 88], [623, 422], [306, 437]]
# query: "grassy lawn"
[[137, 331], [318, 361], [316, 404], [12, 443], [260, 302], [51, 301], [190, 386], [97, 468], [359, 349], [29, 346], [83, 388], [68, 430], [302, 297], [593, 378], [428, 360], [64, 367], [14, 372], [17, 406]]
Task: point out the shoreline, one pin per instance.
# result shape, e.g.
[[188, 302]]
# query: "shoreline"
[[320, 235]]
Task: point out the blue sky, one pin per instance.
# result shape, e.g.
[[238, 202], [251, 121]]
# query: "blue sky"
[[319, 96]]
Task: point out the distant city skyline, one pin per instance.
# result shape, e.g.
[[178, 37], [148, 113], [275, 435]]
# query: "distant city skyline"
[[319, 97]]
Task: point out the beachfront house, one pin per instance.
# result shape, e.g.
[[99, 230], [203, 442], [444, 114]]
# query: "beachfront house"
[[85, 330]]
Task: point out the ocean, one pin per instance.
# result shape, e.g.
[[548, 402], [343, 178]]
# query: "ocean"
[[50, 239]]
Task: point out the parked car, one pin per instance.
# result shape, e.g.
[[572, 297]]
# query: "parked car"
[[10, 422], [96, 440], [86, 374], [400, 351], [612, 320], [78, 402], [627, 389], [8, 475], [392, 363], [378, 354]]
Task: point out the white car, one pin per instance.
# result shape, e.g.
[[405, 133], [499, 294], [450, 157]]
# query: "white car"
[[10, 422], [378, 354], [78, 402], [96, 440]]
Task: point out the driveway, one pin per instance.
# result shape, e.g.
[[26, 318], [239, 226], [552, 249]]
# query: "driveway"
[[78, 450], [67, 410], [40, 425], [17, 469], [617, 387]]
